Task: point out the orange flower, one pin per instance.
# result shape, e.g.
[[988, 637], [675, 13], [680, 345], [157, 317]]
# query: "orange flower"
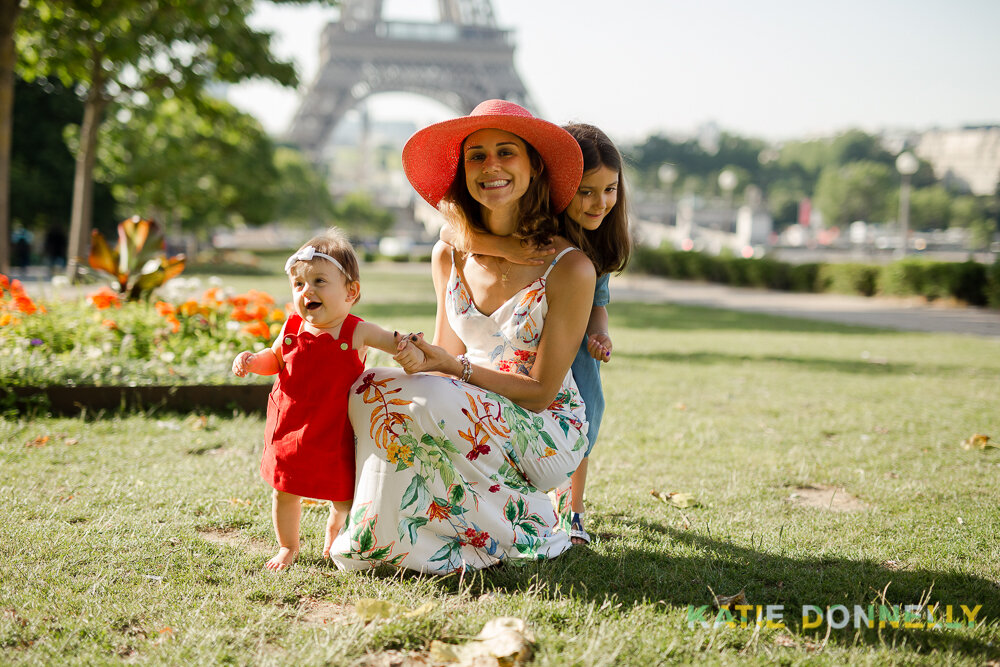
[[109, 324], [175, 324], [189, 308], [439, 512], [241, 315], [262, 298], [212, 296], [24, 304], [258, 330], [277, 315], [104, 298], [239, 301], [165, 309], [4, 281], [8, 319]]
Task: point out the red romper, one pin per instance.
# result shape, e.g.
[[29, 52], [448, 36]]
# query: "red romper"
[[308, 441]]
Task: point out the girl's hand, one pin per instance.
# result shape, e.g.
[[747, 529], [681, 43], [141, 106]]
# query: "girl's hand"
[[435, 359], [409, 356], [242, 363], [599, 346], [528, 253]]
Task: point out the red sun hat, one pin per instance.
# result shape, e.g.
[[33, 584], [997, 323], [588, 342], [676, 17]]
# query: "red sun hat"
[[431, 156]]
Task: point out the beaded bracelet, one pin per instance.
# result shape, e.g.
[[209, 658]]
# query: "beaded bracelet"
[[466, 368]]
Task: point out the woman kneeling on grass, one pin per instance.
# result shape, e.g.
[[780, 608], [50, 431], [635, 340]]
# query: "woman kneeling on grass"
[[455, 459]]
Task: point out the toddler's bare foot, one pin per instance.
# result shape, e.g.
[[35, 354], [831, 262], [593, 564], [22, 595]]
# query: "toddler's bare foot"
[[282, 559]]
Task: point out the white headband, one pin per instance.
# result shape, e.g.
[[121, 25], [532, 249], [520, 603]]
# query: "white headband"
[[308, 253]]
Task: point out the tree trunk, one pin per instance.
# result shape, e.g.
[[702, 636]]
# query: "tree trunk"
[[83, 182], [9, 10]]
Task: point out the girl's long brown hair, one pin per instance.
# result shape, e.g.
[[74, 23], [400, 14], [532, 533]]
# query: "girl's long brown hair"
[[610, 245]]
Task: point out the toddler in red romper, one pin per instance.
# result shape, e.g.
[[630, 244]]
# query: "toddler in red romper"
[[308, 441]]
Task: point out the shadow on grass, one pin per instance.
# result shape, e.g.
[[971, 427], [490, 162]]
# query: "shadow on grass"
[[811, 363], [633, 575], [682, 579], [693, 318]]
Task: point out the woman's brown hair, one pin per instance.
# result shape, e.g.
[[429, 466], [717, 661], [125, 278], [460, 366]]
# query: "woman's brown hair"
[[610, 245]]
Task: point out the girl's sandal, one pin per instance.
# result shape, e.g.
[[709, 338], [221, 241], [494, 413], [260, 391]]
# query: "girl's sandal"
[[576, 528]]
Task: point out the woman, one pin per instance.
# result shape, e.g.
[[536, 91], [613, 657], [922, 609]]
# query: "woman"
[[453, 467]]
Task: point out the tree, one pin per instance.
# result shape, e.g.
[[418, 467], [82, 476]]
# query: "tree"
[[930, 208], [360, 217], [41, 166], [193, 164], [9, 11], [855, 191], [128, 51], [301, 195]]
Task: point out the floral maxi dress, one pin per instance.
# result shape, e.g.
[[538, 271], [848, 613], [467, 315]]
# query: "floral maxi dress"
[[452, 477]]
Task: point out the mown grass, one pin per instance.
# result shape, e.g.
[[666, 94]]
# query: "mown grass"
[[141, 537]]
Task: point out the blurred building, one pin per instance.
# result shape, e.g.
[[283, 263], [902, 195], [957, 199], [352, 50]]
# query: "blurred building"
[[966, 158]]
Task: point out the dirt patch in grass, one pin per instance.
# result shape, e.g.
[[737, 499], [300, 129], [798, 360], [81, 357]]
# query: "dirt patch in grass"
[[319, 612], [234, 538], [832, 498]]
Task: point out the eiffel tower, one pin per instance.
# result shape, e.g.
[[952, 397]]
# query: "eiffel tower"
[[459, 61]]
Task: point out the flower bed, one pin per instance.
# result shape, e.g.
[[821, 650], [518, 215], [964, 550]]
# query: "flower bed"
[[186, 337]]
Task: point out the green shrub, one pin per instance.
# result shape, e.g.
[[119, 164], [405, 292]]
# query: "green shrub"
[[964, 281], [991, 290], [804, 277], [848, 278]]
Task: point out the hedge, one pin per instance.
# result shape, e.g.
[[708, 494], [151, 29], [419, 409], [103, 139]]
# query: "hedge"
[[969, 282]]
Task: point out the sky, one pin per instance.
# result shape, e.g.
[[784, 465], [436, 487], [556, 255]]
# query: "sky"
[[771, 69]]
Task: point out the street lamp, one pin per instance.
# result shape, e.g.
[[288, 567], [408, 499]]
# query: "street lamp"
[[727, 181], [906, 165], [667, 174]]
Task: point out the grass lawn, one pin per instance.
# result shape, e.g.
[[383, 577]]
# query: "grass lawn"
[[826, 462]]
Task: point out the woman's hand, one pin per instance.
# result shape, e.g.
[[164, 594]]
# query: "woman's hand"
[[409, 356], [416, 355], [599, 346]]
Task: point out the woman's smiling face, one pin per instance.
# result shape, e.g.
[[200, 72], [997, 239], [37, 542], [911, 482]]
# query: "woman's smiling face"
[[497, 168]]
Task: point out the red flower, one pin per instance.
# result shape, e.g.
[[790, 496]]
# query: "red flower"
[[365, 383]]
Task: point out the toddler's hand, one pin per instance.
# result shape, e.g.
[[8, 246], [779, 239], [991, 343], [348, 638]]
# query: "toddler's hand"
[[599, 346], [409, 356], [241, 364]]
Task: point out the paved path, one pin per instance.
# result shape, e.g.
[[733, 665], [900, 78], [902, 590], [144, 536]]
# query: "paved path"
[[881, 312]]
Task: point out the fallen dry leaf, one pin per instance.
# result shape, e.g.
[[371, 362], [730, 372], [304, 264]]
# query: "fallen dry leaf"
[[978, 441], [40, 441], [239, 501], [730, 600], [197, 422], [675, 498], [309, 502], [370, 609], [71, 441], [505, 642]]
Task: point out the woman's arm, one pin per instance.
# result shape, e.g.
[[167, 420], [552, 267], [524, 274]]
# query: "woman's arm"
[[444, 336], [569, 290], [506, 247]]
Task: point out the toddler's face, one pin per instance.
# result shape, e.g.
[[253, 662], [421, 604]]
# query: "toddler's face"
[[594, 199], [321, 294]]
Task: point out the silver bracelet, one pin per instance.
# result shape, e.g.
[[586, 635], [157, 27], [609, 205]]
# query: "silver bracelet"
[[466, 368]]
